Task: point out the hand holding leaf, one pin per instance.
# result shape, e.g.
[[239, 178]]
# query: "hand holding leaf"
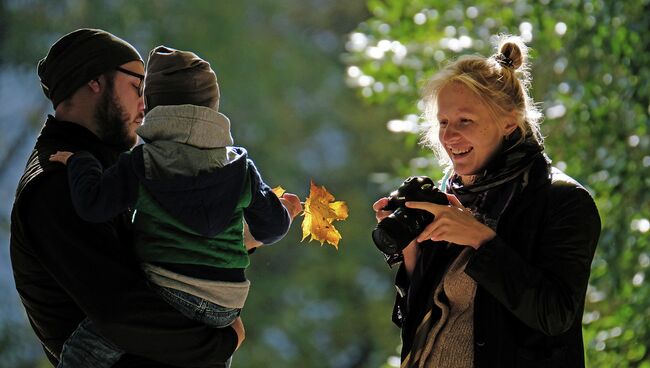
[[321, 210], [289, 200], [292, 203]]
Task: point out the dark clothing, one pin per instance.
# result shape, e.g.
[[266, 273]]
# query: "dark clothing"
[[66, 269], [206, 205], [532, 278]]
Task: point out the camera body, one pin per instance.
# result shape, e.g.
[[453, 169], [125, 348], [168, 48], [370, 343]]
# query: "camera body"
[[395, 232]]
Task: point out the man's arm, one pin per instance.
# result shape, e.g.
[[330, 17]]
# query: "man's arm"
[[100, 272]]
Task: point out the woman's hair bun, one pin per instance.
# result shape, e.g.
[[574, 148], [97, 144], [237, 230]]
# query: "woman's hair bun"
[[512, 53]]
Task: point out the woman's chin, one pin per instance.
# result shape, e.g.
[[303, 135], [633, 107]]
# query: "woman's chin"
[[464, 169], [467, 174]]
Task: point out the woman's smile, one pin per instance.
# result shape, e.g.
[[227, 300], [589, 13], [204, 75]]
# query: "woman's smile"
[[468, 131]]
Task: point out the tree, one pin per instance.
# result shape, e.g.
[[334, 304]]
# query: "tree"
[[590, 70], [282, 85]]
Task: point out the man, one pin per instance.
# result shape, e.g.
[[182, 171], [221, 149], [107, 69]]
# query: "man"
[[65, 268]]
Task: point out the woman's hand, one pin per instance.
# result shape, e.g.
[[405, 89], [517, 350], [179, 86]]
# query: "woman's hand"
[[453, 223], [412, 251], [378, 207]]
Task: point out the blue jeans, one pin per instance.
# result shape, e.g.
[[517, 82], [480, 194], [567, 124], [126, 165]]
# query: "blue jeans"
[[87, 348], [198, 309]]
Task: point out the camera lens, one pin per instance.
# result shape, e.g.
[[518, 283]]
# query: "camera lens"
[[394, 232], [384, 241]]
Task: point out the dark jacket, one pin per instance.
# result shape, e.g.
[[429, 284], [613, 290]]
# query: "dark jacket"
[[531, 279], [66, 269], [205, 204]]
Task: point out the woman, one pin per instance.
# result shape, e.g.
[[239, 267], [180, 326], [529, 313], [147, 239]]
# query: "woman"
[[499, 278]]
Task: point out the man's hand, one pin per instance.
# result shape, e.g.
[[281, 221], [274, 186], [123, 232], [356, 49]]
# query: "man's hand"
[[238, 326], [61, 156], [249, 241]]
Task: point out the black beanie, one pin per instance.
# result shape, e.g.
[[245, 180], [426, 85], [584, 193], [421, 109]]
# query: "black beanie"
[[78, 57], [176, 77]]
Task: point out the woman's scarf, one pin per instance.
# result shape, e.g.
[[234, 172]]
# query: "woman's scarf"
[[487, 197], [504, 177]]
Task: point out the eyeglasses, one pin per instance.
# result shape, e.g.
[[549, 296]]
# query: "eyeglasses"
[[134, 74]]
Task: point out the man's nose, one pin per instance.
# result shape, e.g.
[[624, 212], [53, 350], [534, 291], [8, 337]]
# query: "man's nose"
[[140, 104]]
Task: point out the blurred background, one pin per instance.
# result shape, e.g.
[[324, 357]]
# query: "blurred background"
[[329, 90]]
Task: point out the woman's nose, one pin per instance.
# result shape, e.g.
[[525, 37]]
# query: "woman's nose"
[[448, 133]]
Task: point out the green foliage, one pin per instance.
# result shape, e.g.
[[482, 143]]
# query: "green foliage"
[[590, 71], [282, 86], [278, 65], [14, 352]]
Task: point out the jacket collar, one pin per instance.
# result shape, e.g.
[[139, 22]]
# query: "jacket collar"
[[539, 175], [60, 135]]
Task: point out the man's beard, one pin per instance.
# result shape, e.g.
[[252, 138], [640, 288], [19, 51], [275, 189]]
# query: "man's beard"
[[113, 121]]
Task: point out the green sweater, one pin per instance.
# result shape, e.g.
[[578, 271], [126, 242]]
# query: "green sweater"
[[161, 238]]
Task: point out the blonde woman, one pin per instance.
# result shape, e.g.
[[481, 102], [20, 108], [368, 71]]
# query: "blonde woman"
[[499, 277]]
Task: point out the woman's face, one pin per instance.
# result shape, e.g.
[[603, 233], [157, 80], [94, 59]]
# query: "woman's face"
[[468, 132]]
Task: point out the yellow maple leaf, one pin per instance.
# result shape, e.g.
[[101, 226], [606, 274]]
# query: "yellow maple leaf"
[[278, 191], [321, 210]]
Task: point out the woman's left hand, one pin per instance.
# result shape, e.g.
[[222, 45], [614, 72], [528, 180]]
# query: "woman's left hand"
[[453, 223]]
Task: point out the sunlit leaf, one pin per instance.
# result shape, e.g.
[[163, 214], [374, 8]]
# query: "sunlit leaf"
[[278, 191], [321, 210]]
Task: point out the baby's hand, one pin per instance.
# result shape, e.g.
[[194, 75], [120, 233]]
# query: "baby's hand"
[[292, 203], [61, 156]]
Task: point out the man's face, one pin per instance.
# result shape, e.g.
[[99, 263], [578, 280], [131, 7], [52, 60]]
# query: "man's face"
[[121, 109]]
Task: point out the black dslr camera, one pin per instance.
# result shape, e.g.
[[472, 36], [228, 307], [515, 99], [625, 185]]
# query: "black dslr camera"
[[395, 232]]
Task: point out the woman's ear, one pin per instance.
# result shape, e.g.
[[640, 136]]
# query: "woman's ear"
[[510, 124]]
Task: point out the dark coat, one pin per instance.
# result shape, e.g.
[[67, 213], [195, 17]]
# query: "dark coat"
[[66, 269], [531, 279], [205, 203]]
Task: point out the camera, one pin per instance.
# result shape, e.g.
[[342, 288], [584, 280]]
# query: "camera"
[[395, 232]]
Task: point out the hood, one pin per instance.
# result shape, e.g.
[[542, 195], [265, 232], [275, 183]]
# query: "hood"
[[197, 126], [204, 202]]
